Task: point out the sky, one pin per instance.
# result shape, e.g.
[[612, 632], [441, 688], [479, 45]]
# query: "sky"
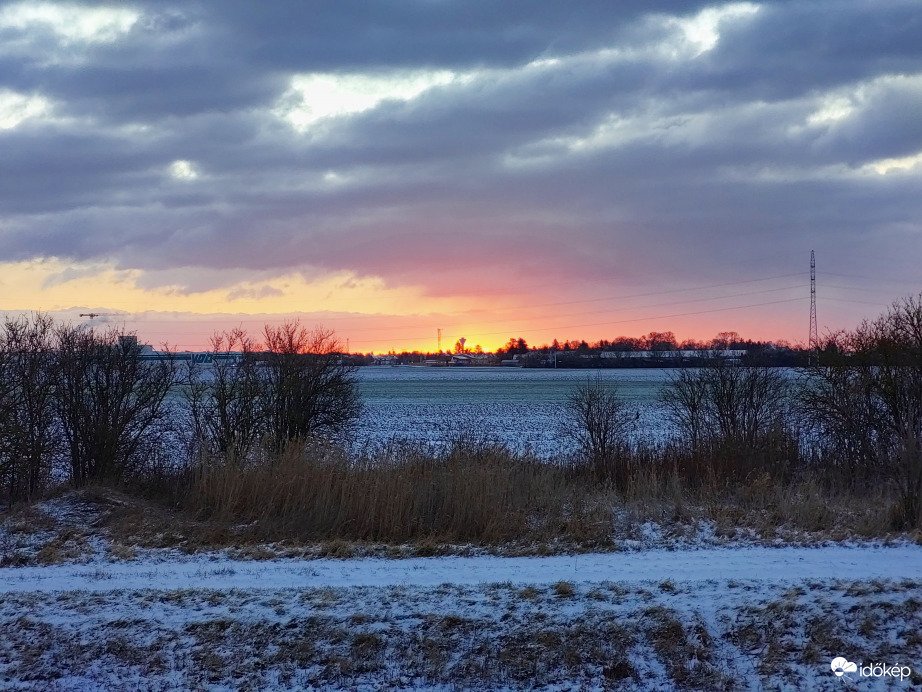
[[491, 169]]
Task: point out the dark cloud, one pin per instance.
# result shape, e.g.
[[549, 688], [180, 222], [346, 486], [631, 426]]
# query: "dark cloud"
[[356, 35], [630, 159]]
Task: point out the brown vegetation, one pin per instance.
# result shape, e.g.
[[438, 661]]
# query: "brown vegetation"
[[614, 637], [318, 494], [495, 499], [832, 454]]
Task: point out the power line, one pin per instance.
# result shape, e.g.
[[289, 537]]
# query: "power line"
[[391, 327], [600, 324], [895, 282], [538, 305], [575, 326], [858, 289], [603, 312], [653, 293], [853, 300]]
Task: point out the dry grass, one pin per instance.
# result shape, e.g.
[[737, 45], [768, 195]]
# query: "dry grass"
[[775, 638], [403, 503], [68, 544], [430, 505], [26, 519], [686, 654], [490, 498], [563, 589], [122, 552]]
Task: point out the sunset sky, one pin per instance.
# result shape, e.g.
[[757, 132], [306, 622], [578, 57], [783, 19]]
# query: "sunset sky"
[[494, 169]]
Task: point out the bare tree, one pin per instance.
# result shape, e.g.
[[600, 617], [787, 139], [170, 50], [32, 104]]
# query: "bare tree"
[[309, 389], [28, 432], [10, 472], [728, 405], [865, 396], [110, 401], [685, 400], [599, 422], [223, 398], [838, 402]]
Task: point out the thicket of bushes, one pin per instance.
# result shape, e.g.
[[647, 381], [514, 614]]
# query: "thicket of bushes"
[[852, 420], [252, 434], [88, 404]]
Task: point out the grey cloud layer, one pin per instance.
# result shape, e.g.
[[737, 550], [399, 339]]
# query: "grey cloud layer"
[[630, 156]]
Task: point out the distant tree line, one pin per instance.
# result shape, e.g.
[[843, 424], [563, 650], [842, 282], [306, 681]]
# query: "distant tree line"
[[584, 354]]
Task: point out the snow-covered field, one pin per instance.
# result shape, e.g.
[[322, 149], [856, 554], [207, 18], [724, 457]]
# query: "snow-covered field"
[[521, 408]]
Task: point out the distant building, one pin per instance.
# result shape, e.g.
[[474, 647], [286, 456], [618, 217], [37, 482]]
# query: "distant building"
[[148, 353], [725, 353], [471, 359]]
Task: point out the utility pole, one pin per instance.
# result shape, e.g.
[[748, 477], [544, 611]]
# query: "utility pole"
[[813, 340]]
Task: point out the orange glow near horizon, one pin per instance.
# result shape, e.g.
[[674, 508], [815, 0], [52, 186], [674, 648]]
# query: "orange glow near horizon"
[[374, 317], [409, 333]]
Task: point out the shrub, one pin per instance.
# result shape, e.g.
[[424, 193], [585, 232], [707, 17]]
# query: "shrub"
[[110, 402], [224, 408], [728, 407], [599, 423], [29, 436], [308, 389], [865, 398]]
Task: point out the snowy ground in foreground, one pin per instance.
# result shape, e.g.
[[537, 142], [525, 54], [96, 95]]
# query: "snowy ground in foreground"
[[743, 618], [773, 564]]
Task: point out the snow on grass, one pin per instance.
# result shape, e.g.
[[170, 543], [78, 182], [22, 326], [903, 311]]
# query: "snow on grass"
[[693, 616], [703, 618], [754, 563], [99, 527], [637, 634]]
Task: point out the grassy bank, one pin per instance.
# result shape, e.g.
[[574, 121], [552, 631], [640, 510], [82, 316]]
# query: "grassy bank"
[[494, 499], [648, 636]]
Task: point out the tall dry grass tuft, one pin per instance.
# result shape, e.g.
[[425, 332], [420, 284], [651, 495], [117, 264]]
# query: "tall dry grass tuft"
[[317, 494]]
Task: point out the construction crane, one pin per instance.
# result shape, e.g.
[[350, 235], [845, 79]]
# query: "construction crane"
[[94, 315]]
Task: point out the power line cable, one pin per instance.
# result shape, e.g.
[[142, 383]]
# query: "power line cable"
[[653, 293], [540, 305], [858, 289], [593, 324], [590, 312], [853, 300], [896, 282]]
